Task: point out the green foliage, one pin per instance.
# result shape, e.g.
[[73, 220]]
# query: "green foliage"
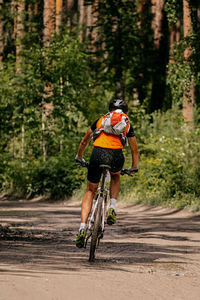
[[118, 49], [169, 165], [41, 141], [173, 9], [49, 100], [57, 177], [181, 71]]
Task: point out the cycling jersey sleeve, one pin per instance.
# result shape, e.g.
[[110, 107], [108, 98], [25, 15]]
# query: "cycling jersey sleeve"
[[130, 132], [94, 125]]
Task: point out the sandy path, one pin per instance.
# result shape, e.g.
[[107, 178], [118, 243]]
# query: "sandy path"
[[151, 253]]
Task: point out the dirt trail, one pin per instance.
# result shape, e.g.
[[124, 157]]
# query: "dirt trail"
[[151, 253]]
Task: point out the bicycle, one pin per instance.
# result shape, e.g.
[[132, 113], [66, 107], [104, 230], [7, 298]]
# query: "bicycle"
[[96, 222]]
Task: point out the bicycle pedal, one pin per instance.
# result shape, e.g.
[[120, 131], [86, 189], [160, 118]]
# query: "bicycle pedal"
[[100, 236]]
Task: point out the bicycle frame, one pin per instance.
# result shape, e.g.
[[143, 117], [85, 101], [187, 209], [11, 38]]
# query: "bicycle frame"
[[102, 195]]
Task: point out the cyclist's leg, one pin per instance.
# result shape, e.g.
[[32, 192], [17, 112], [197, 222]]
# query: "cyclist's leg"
[[87, 200], [94, 174], [93, 178], [114, 191], [85, 211], [114, 185], [116, 166]]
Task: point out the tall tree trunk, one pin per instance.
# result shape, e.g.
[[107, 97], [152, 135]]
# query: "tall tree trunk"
[[30, 14], [140, 10], [198, 16], [19, 31], [88, 19], [175, 36], [48, 20], [94, 23], [58, 15], [1, 32], [160, 27], [188, 102], [44, 151], [14, 11], [35, 10], [178, 30], [140, 92], [119, 80], [22, 141], [157, 11], [49, 25], [81, 17], [19, 46]]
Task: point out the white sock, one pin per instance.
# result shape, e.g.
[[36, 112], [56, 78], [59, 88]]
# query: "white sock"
[[82, 226], [113, 202]]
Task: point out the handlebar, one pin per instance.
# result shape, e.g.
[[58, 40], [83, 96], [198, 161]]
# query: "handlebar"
[[126, 171], [85, 164]]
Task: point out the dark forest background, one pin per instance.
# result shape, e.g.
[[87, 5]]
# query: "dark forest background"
[[62, 62]]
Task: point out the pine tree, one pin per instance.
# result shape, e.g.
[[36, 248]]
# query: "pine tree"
[[188, 103]]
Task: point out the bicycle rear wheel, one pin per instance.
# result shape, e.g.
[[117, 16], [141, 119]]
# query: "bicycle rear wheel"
[[96, 230]]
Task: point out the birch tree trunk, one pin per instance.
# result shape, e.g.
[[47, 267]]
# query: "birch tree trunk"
[[188, 102]]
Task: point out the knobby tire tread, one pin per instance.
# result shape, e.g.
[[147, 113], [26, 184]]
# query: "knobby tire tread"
[[97, 224]]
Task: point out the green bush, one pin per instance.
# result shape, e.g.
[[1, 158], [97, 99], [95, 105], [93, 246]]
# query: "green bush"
[[169, 164], [57, 178]]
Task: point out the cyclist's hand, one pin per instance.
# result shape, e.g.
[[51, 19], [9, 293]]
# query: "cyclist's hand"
[[81, 161], [131, 170]]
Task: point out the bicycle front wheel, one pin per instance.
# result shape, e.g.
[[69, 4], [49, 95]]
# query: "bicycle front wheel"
[[96, 230]]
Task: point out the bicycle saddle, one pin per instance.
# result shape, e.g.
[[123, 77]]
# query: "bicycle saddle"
[[105, 166]]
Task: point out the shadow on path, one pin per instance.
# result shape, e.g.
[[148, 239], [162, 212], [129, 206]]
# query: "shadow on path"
[[40, 238]]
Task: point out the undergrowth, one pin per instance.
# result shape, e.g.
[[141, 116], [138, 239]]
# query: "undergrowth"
[[169, 169]]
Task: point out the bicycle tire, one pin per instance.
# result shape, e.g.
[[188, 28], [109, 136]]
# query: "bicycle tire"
[[95, 232]]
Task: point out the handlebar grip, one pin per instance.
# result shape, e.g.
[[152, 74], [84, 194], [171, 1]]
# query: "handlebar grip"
[[85, 165], [126, 171], [82, 163]]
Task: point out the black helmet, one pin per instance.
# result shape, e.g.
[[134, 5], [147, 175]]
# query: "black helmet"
[[118, 103]]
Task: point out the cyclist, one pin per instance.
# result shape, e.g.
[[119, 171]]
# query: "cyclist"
[[107, 150]]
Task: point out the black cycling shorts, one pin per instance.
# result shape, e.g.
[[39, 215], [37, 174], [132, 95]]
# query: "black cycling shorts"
[[111, 157]]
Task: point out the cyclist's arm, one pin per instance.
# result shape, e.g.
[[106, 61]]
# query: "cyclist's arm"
[[84, 143], [134, 151]]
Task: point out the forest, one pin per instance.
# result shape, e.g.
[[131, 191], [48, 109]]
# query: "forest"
[[63, 61]]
